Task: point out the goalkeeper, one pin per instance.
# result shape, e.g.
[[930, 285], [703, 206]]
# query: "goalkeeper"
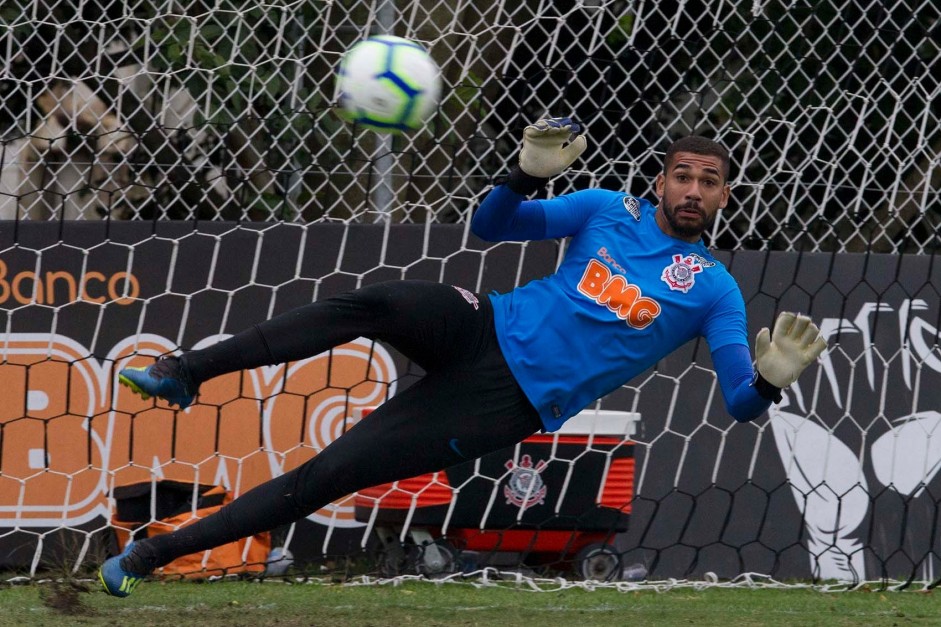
[[636, 283]]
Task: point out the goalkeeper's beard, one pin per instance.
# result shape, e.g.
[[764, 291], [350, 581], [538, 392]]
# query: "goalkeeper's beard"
[[683, 225]]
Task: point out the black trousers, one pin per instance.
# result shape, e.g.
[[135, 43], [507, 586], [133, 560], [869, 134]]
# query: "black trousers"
[[468, 404]]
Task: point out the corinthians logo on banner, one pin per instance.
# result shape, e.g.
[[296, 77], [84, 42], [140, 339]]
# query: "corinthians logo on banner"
[[70, 435], [524, 486], [845, 456]]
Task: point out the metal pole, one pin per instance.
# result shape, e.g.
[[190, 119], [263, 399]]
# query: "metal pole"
[[382, 194]]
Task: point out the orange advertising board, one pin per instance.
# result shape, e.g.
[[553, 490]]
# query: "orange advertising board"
[[69, 434]]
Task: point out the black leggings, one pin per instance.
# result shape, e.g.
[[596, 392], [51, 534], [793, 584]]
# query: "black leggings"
[[468, 404]]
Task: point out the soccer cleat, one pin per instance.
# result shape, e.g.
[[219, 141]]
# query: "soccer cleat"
[[114, 579], [166, 379]]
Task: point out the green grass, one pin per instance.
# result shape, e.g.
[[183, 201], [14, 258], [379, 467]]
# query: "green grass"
[[424, 604]]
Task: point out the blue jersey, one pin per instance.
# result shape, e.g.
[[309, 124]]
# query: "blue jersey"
[[624, 297]]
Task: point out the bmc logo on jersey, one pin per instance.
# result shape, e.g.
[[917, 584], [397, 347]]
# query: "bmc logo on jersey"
[[614, 292]]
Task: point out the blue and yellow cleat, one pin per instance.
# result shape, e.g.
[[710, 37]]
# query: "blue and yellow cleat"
[[166, 379], [114, 579]]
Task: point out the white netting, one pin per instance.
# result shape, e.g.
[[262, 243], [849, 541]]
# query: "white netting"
[[837, 483]]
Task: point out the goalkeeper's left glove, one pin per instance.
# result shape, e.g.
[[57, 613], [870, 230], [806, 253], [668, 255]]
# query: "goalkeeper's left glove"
[[782, 356], [549, 146]]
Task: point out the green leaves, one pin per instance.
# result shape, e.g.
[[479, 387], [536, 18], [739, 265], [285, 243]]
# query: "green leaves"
[[223, 57]]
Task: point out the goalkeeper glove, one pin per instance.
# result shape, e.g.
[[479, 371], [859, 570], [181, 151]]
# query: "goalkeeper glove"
[[782, 356], [549, 146]]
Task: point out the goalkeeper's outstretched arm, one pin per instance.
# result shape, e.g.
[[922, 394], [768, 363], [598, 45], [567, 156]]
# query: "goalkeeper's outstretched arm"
[[505, 215], [549, 147], [781, 357]]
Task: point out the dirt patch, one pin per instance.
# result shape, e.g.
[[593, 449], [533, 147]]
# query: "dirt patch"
[[65, 598]]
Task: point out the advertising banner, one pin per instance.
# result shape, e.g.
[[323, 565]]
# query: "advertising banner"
[[837, 481]]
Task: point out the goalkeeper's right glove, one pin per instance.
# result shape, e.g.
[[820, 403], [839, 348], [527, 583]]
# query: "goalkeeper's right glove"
[[782, 356], [549, 146]]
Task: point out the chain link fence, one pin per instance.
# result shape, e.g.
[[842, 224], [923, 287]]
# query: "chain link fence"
[[190, 110]]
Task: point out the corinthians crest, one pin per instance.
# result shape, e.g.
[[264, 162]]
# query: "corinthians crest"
[[525, 487], [681, 274]]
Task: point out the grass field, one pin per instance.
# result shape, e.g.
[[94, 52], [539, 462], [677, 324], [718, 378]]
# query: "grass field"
[[426, 604]]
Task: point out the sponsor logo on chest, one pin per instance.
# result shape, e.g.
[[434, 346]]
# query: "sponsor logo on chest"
[[613, 291]]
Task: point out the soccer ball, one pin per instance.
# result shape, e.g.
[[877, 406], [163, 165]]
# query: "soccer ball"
[[388, 84]]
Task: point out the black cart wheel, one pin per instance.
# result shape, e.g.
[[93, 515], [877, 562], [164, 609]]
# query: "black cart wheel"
[[598, 562], [398, 559], [437, 558]]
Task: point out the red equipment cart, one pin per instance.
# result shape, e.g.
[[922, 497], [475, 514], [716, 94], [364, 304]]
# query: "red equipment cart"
[[555, 496]]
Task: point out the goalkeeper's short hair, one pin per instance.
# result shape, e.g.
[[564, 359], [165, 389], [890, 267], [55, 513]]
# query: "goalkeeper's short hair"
[[699, 145]]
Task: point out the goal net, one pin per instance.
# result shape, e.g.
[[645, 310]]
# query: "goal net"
[[174, 172]]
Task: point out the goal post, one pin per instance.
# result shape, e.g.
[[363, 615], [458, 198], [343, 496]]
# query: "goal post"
[[171, 173]]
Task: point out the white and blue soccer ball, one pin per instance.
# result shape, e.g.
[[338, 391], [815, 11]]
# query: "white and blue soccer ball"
[[388, 84]]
